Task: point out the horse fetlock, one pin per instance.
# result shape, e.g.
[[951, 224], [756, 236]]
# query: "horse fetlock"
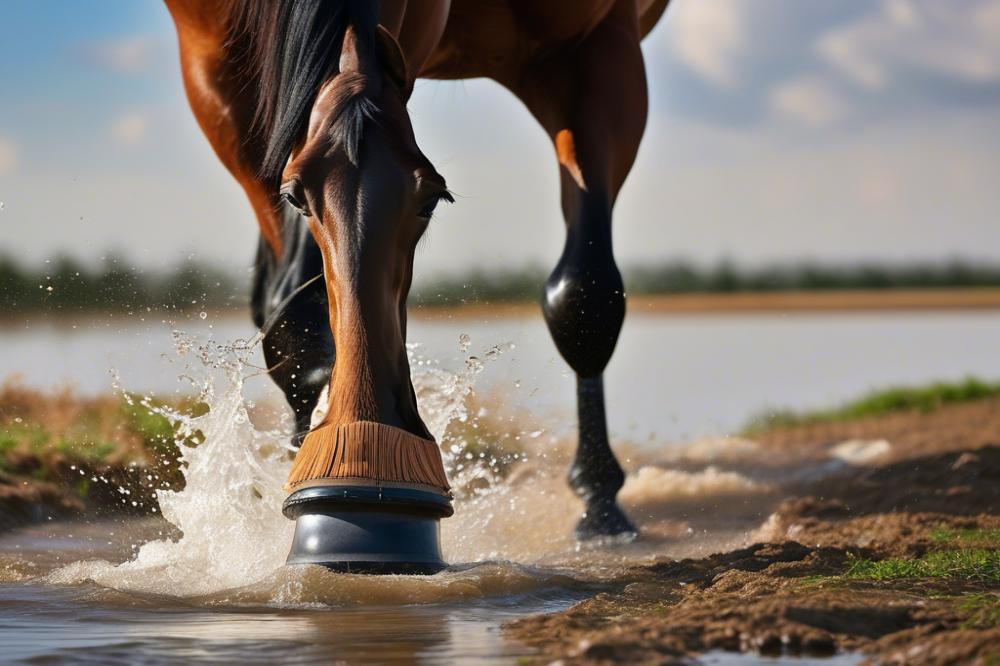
[[604, 518]]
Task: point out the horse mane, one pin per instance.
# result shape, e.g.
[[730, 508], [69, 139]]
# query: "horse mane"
[[294, 46]]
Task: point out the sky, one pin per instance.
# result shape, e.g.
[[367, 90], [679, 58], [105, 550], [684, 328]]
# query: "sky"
[[779, 130]]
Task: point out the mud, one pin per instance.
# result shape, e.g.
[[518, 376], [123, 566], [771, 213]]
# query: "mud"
[[788, 593]]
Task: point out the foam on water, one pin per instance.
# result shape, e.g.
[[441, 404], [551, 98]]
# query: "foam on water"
[[652, 484]]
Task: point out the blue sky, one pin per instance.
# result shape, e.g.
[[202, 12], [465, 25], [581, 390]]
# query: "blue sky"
[[779, 130]]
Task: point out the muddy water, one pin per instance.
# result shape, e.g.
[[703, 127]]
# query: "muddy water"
[[288, 616], [205, 580]]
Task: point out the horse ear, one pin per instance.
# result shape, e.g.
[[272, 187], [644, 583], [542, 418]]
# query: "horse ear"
[[356, 53], [393, 60]]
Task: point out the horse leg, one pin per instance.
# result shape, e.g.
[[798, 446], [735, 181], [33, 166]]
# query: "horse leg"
[[289, 306], [591, 99]]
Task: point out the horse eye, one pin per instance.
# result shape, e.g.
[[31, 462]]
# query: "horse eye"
[[294, 194], [428, 210]]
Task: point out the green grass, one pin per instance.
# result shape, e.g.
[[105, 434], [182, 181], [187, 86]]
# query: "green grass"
[[42, 435], [968, 537], [885, 401], [977, 564]]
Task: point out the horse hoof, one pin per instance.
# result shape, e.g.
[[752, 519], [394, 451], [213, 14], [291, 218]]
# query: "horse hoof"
[[367, 529], [605, 521]]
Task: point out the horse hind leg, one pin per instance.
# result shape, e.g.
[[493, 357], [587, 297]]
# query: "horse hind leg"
[[595, 119]]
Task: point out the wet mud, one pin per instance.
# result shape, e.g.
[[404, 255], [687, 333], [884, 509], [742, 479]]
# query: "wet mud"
[[817, 578]]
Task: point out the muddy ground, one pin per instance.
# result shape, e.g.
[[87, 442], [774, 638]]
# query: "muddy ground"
[[830, 569]]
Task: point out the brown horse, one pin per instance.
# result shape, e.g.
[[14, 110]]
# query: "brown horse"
[[304, 101]]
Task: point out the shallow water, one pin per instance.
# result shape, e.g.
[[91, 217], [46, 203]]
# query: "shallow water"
[[207, 582], [291, 616]]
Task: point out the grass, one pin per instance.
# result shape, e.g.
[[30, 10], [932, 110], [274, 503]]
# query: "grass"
[[968, 536], [976, 564], [925, 399], [50, 436]]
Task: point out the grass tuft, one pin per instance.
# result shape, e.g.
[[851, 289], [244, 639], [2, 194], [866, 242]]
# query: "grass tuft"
[[969, 537], [876, 403], [978, 564]]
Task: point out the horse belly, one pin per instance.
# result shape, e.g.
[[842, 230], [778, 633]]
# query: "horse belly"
[[495, 37]]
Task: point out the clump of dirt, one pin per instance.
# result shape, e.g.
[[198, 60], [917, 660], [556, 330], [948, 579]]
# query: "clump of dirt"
[[771, 598], [802, 589]]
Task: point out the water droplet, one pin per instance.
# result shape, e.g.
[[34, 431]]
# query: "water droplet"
[[203, 315], [474, 365], [464, 342]]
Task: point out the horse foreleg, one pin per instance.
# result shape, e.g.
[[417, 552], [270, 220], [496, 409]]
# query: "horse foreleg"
[[591, 99]]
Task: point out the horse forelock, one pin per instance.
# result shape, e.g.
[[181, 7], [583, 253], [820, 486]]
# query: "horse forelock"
[[294, 48], [353, 106]]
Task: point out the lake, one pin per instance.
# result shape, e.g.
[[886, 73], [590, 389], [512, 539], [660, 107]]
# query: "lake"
[[673, 377]]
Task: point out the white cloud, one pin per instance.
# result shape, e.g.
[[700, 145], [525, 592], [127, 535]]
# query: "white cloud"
[[958, 38], [126, 56], [809, 101], [8, 157], [130, 128], [709, 36]]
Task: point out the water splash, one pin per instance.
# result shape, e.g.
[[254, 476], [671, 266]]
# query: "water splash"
[[233, 535], [229, 512]]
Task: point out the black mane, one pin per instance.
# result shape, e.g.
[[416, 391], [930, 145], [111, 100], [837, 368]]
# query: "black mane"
[[294, 46]]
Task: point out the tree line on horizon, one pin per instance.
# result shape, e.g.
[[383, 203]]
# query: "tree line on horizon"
[[67, 285]]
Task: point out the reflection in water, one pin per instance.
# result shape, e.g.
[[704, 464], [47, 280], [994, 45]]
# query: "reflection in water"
[[87, 623]]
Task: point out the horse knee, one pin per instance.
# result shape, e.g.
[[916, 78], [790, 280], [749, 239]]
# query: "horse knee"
[[584, 303]]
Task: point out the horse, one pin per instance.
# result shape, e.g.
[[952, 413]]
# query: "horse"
[[304, 102]]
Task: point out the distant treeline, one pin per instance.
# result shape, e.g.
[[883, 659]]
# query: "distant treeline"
[[685, 277], [65, 285], [68, 286]]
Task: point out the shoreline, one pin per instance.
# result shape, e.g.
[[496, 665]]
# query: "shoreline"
[[785, 302], [777, 303]]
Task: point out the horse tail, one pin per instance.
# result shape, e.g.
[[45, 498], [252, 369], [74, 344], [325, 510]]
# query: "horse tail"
[[294, 46]]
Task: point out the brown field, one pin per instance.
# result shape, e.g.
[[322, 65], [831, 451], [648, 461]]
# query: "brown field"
[[790, 302]]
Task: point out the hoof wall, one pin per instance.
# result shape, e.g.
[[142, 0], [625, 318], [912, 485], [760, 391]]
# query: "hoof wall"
[[603, 522], [354, 529]]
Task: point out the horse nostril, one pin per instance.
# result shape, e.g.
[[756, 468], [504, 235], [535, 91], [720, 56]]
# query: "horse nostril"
[[295, 195]]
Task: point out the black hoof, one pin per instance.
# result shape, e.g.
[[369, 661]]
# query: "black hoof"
[[367, 529], [603, 520]]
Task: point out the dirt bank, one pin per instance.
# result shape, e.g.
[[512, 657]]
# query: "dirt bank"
[[897, 559]]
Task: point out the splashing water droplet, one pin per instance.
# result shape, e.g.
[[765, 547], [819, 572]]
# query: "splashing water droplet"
[[464, 342], [203, 315]]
